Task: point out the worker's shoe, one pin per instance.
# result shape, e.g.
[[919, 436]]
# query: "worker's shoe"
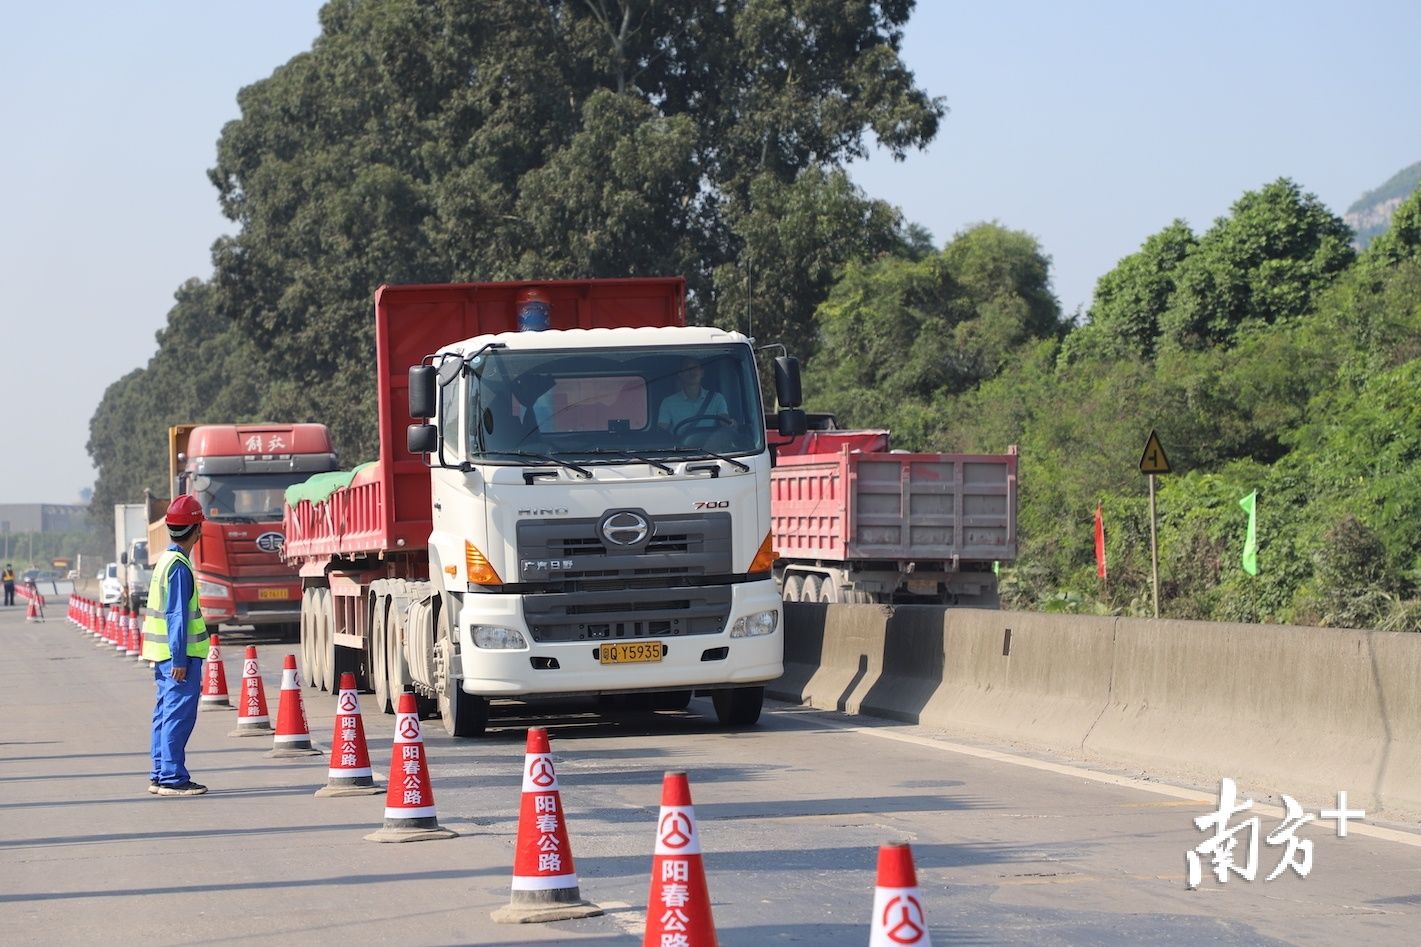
[[153, 786], [188, 788]]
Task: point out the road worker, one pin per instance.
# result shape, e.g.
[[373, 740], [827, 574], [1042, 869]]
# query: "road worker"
[[175, 639], [9, 577]]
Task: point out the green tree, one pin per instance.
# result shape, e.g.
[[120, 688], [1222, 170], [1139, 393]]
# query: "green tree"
[[430, 141], [1124, 317], [1264, 263], [897, 333]]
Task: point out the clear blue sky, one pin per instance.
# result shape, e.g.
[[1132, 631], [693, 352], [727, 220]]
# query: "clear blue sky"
[[1088, 125]]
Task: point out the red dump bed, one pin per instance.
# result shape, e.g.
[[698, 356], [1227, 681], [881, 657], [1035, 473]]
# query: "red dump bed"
[[853, 505], [386, 506]]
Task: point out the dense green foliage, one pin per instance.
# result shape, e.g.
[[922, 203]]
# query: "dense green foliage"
[[439, 140], [1304, 387]]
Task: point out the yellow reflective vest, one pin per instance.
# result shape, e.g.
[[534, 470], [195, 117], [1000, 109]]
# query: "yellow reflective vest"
[[155, 620]]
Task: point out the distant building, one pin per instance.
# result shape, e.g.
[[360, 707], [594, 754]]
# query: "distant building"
[[43, 517]]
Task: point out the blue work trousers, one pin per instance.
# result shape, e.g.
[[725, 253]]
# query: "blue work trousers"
[[174, 716]]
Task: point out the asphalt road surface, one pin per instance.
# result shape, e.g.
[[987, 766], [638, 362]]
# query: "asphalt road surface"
[[1011, 848]]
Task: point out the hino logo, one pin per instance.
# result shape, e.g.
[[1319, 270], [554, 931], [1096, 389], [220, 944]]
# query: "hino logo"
[[625, 528], [555, 511], [270, 542]]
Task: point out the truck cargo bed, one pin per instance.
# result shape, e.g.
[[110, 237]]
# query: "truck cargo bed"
[[895, 506]]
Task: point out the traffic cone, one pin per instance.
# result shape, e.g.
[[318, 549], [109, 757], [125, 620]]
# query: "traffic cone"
[[544, 879], [350, 773], [214, 679], [409, 798], [133, 644], [125, 621], [678, 907], [136, 630], [252, 719], [897, 908], [31, 610], [293, 734]]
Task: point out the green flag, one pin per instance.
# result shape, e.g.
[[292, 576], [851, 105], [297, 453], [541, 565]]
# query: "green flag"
[[1250, 543]]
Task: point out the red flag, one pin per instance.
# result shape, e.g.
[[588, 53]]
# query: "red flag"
[[1100, 569]]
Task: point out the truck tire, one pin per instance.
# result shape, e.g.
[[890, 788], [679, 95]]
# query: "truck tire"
[[308, 644], [320, 639], [395, 673], [829, 593], [379, 654], [738, 706], [810, 589], [464, 715], [793, 588]]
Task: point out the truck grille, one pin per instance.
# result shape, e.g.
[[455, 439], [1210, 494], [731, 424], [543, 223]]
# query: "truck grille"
[[573, 552], [607, 615]]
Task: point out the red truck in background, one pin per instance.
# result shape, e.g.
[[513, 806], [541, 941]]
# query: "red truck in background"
[[240, 472], [857, 522]]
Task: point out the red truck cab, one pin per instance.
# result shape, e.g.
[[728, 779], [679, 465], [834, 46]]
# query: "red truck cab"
[[240, 472]]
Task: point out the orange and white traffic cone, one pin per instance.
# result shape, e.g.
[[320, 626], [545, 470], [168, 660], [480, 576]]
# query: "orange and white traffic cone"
[[409, 798], [544, 879], [135, 637], [898, 917], [214, 679], [350, 773], [31, 610], [678, 908], [293, 734], [125, 622], [252, 718]]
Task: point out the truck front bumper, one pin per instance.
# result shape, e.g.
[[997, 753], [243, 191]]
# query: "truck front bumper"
[[573, 667]]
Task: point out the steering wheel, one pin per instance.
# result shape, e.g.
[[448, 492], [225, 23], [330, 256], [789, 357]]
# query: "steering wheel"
[[721, 420]]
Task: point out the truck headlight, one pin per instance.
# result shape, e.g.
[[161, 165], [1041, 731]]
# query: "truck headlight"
[[207, 589], [498, 638], [755, 624]]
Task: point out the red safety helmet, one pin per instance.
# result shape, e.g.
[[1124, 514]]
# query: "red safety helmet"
[[184, 511]]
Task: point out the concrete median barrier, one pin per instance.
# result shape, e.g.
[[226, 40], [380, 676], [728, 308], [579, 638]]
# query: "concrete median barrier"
[[1306, 711]]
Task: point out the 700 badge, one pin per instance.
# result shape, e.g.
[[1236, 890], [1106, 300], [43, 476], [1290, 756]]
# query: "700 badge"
[[712, 504]]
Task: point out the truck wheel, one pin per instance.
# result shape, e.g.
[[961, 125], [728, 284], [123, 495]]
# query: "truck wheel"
[[829, 591], [464, 715], [793, 587], [327, 658], [810, 592], [738, 706], [379, 677], [317, 670], [394, 658], [308, 647]]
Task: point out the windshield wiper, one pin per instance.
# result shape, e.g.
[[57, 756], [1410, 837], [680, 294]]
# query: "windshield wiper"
[[586, 474], [701, 451], [624, 453]]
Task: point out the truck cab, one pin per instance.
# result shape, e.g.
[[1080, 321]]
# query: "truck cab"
[[575, 471], [239, 473]]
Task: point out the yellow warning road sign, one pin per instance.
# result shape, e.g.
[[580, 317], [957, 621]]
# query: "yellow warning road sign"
[[1153, 460]]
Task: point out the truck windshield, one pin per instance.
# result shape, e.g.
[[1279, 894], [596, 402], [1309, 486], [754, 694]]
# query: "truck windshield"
[[140, 554], [246, 497], [576, 405]]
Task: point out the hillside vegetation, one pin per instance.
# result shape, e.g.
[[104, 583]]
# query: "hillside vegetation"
[[437, 141]]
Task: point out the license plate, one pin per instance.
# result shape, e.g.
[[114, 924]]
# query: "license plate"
[[273, 593], [635, 652]]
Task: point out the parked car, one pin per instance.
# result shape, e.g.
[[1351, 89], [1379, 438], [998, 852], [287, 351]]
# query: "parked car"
[[110, 585]]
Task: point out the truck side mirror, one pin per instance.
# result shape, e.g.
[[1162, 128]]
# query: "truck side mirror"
[[787, 387], [792, 422], [422, 438], [422, 401], [123, 558]]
